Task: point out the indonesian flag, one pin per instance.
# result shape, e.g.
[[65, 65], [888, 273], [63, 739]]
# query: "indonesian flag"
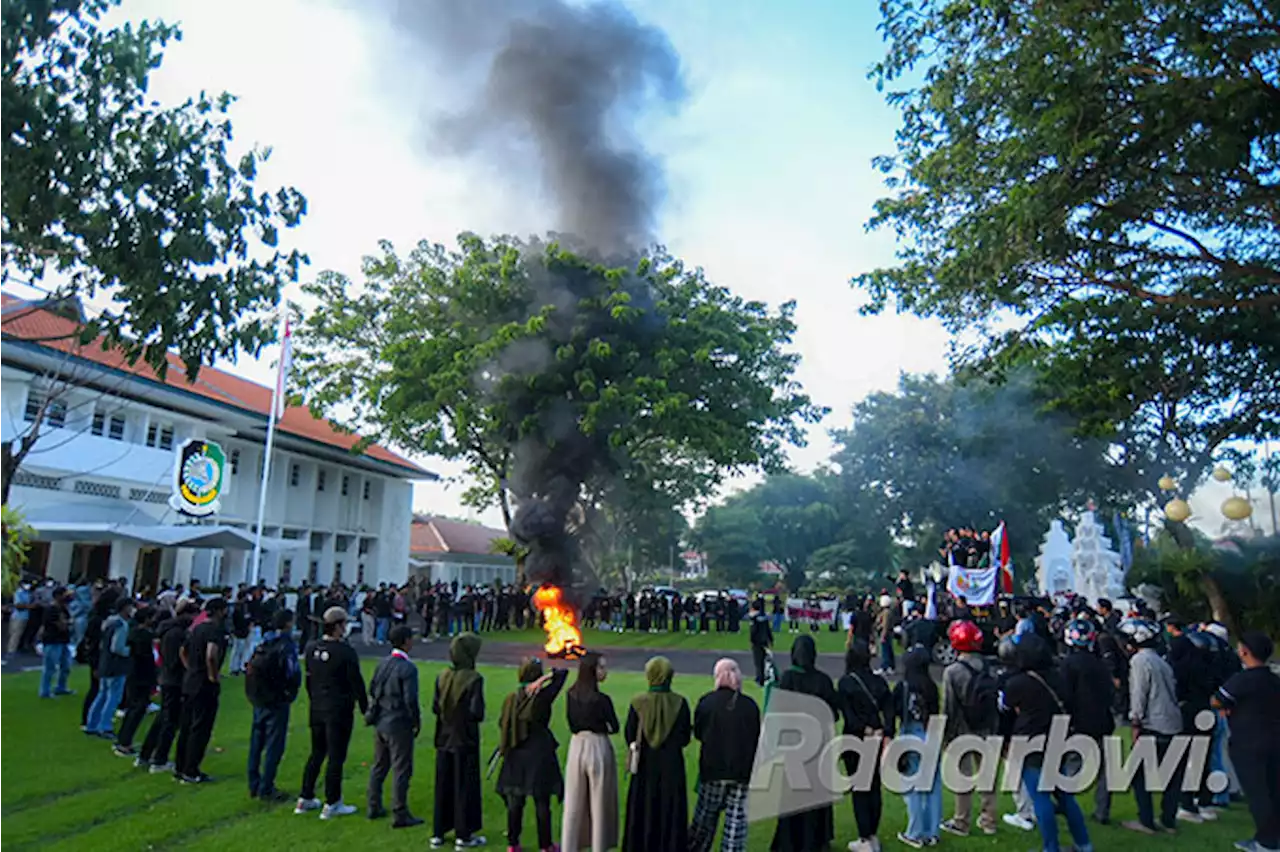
[[1000, 558], [282, 375]]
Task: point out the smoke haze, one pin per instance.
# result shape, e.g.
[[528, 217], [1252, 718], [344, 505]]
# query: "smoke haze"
[[552, 89]]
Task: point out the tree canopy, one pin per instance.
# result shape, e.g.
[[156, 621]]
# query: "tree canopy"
[[105, 191], [474, 353], [1093, 185]]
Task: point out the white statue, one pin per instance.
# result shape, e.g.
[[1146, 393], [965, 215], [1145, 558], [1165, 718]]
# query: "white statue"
[[1097, 566], [1055, 572]]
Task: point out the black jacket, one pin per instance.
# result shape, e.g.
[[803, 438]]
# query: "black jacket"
[[728, 725], [173, 635], [867, 703], [1090, 693], [334, 682], [393, 696]]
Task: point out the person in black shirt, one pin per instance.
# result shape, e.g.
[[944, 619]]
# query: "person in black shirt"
[[55, 633], [335, 686], [172, 634], [1251, 699], [271, 687], [1089, 697], [591, 770], [1035, 695], [761, 638], [867, 706], [812, 829], [141, 682], [727, 723], [241, 623], [906, 589], [202, 656]]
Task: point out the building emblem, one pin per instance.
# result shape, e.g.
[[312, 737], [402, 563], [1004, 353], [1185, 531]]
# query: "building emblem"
[[198, 478]]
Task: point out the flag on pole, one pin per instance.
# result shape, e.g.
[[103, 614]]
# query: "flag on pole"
[[1000, 558], [282, 375]]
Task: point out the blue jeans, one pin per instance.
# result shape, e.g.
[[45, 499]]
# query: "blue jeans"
[[103, 712], [1046, 813], [924, 807], [886, 654], [384, 627], [266, 747], [777, 622], [1217, 756], [57, 660]]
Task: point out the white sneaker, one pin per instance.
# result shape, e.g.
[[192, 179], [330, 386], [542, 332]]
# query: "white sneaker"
[[1188, 816], [337, 810], [1018, 821], [162, 768], [305, 805], [1208, 814], [860, 846], [476, 840]]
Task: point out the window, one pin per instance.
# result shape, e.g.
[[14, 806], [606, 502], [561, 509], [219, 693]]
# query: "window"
[[313, 572], [364, 546], [99, 423], [346, 485], [55, 412], [360, 574], [235, 469], [295, 473], [341, 543], [160, 436], [337, 572], [366, 489], [286, 569], [320, 480], [115, 428]]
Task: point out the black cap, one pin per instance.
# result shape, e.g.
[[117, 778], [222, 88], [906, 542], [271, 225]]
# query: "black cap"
[[1259, 644]]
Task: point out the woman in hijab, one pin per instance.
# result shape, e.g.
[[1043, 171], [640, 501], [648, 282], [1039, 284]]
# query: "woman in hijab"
[[591, 772], [868, 711], [658, 729], [915, 699], [812, 830], [459, 708], [728, 725], [530, 768]]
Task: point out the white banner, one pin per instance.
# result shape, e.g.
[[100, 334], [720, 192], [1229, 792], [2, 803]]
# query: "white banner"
[[976, 585], [802, 610]]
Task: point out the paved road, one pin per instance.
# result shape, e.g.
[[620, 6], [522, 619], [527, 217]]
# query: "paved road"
[[622, 659]]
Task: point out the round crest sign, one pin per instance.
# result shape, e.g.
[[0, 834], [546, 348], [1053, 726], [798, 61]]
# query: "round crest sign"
[[198, 478]]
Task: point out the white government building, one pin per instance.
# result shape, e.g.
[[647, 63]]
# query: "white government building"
[[96, 486]]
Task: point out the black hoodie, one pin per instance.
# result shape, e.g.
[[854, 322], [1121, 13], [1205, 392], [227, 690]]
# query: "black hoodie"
[[172, 633], [804, 676]]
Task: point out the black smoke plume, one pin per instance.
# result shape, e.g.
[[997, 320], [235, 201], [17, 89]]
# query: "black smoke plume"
[[557, 89]]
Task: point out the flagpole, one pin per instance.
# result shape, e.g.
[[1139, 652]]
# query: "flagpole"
[[256, 570]]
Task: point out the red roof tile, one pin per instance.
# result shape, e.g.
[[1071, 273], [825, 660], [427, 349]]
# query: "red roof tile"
[[440, 535], [28, 322]]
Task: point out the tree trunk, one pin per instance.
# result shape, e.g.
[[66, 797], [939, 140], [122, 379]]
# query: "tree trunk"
[[1218, 603], [520, 571], [14, 454]]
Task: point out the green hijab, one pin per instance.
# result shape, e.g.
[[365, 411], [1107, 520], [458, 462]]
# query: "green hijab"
[[517, 710], [454, 681], [659, 707]]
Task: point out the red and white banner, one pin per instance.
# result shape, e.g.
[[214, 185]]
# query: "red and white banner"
[[976, 585], [1000, 558], [820, 611]]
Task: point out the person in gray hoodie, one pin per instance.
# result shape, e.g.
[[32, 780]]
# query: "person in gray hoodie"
[[396, 715], [967, 714], [1153, 712], [113, 669]]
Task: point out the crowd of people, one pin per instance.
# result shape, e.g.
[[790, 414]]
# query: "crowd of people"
[[1094, 665]]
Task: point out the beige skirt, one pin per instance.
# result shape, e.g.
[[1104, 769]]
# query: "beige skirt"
[[590, 795]]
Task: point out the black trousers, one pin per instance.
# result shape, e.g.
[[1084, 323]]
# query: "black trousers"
[[1171, 796], [515, 820], [199, 711], [1257, 765], [392, 753], [330, 739], [155, 748], [458, 802], [868, 807], [136, 699], [757, 653]]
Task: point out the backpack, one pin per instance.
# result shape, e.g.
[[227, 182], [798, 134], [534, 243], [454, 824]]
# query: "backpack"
[[979, 705], [266, 675]]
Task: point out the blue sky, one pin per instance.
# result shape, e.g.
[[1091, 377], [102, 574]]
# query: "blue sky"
[[769, 169]]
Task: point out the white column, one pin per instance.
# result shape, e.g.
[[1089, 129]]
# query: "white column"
[[124, 560], [182, 563], [59, 565]]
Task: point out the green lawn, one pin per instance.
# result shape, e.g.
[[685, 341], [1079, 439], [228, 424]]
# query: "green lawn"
[[828, 642], [64, 791]]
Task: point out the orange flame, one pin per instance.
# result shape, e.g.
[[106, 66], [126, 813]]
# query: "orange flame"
[[559, 620]]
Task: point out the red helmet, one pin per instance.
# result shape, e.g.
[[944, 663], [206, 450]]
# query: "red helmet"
[[965, 636]]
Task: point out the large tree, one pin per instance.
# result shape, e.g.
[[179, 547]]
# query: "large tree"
[[945, 453], [106, 193], [669, 382], [1094, 186]]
